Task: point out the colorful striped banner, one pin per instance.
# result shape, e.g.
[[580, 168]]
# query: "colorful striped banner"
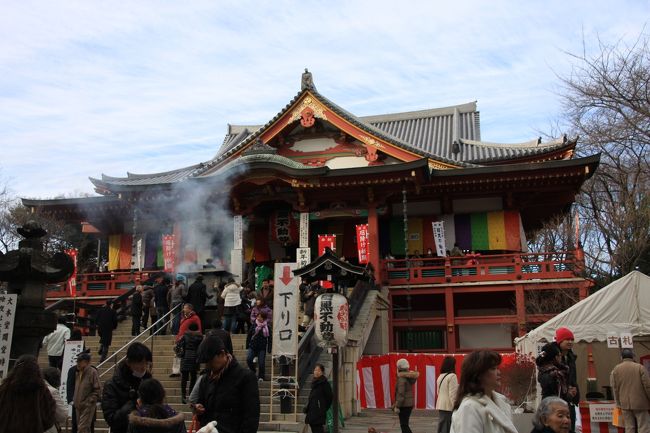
[[119, 252], [483, 231]]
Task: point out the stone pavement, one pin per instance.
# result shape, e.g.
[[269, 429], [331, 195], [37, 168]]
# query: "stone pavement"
[[385, 421]]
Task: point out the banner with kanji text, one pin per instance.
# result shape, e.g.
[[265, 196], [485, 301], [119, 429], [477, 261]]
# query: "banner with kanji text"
[[169, 253], [72, 282], [363, 243]]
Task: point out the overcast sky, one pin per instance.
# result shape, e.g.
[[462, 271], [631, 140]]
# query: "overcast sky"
[[93, 87]]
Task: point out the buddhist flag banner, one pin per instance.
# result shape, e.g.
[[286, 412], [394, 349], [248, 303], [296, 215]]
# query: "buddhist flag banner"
[[326, 241], [363, 243], [169, 253], [439, 238], [119, 252], [377, 375], [72, 282], [7, 314], [482, 231]]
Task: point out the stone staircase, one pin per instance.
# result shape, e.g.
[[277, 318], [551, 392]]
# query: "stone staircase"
[[162, 349]]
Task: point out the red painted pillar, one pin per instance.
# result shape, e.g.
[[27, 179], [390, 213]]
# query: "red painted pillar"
[[520, 302], [373, 232], [450, 319]]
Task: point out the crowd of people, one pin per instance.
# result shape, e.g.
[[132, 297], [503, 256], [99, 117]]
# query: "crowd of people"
[[473, 403]]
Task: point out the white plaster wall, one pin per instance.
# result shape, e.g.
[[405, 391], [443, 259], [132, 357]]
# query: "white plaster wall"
[[313, 145], [482, 336], [347, 162]]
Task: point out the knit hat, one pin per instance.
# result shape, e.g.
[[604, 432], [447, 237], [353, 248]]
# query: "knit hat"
[[209, 348], [562, 334], [179, 277], [402, 364]]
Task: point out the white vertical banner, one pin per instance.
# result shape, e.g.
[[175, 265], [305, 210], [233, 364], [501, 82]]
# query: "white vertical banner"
[[7, 314], [304, 229], [237, 264], [285, 310], [238, 232], [70, 352], [439, 238], [139, 253], [303, 257]]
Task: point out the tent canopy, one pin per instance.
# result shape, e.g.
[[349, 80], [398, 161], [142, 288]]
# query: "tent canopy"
[[622, 306]]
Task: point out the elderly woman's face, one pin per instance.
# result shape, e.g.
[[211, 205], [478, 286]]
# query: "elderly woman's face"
[[559, 420]]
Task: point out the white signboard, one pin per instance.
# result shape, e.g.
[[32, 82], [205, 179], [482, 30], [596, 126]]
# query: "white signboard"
[[439, 238], [612, 340], [303, 257], [304, 229], [72, 349], [285, 310], [238, 232], [7, 314], [139, 256], [626, 340], [237, 264], [601, 412]]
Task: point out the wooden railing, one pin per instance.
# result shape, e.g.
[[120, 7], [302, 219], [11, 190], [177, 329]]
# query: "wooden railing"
[[481, 268], [99, 285]]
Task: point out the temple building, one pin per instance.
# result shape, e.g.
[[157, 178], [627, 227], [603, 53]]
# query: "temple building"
[[316, 169]]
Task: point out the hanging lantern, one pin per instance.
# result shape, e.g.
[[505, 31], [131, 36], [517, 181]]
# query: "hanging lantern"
[[331, 319], [283, 227]]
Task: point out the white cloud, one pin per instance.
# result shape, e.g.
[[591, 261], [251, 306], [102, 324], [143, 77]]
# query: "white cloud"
[[90, 87]]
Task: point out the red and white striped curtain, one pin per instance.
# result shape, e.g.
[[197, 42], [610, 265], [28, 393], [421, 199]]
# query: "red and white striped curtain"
[[377, 374]]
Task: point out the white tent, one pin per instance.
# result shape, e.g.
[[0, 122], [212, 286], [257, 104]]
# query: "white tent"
[[622, 306]]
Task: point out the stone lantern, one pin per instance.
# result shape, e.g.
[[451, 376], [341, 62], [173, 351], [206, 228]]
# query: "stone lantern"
[[28, 270]]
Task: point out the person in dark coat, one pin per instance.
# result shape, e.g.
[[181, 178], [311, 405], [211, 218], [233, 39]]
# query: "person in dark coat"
[[564, 339], [552, 374], [152, 414], [136, 308], [147, 297], [224, 335], [320, 400], [188, 347], [120, 392], [258, 343], [227, 392], [162, 303], [197, 295], [106, 320]]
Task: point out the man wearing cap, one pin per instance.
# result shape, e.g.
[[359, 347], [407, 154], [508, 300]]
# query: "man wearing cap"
[[564, 339], [86, 393], [175, 298], [227, 392], [631, 386]]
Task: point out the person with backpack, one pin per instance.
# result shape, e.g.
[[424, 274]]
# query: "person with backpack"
[[188, 348], [258, 343]]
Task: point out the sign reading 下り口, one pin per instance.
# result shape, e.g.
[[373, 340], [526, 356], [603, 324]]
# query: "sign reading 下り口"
[[285, 310], [7, 314]]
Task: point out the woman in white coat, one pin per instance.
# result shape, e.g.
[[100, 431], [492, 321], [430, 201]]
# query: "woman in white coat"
[[447, 385], [479, 408]]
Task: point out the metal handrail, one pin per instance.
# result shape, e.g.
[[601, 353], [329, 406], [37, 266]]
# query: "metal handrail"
[[157, 322]]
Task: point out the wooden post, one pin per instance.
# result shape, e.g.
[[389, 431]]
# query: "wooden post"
[[520, 303], [449, 315], [373, 240], [335, 389]]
